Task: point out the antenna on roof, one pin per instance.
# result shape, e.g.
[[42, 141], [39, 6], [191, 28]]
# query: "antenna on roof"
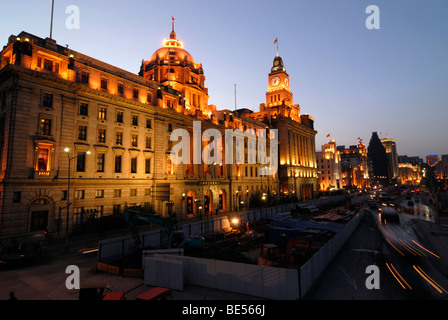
[[51, 24]]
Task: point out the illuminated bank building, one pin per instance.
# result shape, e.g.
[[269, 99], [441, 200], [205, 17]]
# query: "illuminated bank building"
[[81, 138]]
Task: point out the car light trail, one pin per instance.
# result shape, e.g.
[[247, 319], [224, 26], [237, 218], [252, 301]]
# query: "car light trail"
[[398, 276], [426, 249], [428, 279], [410, 248], [395, 247]]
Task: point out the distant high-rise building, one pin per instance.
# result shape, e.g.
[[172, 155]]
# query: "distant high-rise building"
[[378, 157], [392, 157]]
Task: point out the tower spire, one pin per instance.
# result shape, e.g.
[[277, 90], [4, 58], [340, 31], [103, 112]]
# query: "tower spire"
[[172, 34]]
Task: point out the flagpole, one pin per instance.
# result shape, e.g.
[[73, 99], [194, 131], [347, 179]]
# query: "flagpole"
[[235, 95], [51, 24], [276, 42]]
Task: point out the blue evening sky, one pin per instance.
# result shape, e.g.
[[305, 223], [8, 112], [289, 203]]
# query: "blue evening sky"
[[352, 80]]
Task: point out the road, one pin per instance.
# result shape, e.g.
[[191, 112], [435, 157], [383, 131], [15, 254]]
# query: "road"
[[400, 279]]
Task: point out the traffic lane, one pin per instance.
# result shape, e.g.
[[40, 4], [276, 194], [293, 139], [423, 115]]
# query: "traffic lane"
[[412, 265], [417, 279], [346, 276]]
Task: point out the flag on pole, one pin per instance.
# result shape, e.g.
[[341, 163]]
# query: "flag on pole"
[[275, 41], [328, 135], [172, 18]]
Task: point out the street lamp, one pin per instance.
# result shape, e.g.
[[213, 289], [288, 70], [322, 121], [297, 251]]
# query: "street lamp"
[[67, 150]]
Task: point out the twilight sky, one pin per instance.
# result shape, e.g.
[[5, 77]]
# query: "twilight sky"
[[352, 80]]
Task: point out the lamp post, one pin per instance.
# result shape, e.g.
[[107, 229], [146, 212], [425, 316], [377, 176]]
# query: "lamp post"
[[67, 150]]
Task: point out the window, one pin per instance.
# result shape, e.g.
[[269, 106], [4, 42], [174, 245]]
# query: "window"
[[45, 127], [100, 162], [83, 109], [170, 127], [120, 116], [48, 65], [99, 211], [117, 164], [103, 83], [120, 88], [77, 215], [64, 195], [134, 140], [119, 138], [79, 194], [147, 192], [149, 98], [47, 100], [101, 135], [117, 193], [148, 165], [133, 165], [81, 162], [102, 112], [133, 193], [39, 62], [148, 123], [84, 77], [135, 120], [99, 193], [17, 196], [148, 142], [135, 93], [117, 209], [82, 133], [56, 67]]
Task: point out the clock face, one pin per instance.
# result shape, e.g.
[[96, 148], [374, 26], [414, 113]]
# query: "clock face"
[[286, 82], [275, 81]]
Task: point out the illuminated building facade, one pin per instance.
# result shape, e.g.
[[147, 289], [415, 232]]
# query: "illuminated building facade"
[[80, 137], [296, 135], [329, 167], [355, 169], [441, 168], [409, 174]]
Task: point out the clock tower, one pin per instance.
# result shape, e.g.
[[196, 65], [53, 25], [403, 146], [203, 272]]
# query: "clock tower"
[[278, 87]]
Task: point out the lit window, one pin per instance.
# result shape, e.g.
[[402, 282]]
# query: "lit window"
[[45, 127], [101, 135], [134, 140], [82, 133], [42, 163], [102, 111], [119, 138]]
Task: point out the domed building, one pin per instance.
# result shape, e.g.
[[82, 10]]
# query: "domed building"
[[174, 67]]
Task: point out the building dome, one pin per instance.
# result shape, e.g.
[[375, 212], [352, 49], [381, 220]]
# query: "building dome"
[[173, 53]]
